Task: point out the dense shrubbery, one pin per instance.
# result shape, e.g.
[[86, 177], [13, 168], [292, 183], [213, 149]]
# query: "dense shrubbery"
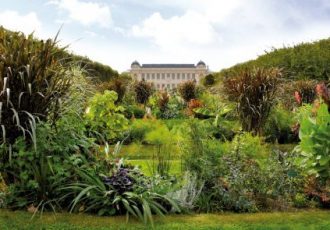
[[57, 131], [303, 61]]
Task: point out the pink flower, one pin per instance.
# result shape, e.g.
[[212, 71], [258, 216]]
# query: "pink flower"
[[297, 96]]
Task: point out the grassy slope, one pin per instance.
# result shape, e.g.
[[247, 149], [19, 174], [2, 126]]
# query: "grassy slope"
[[287, 220]]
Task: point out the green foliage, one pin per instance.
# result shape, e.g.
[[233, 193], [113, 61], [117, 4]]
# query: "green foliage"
[[278, 127], [164, 141], [302, 61], [134, 111], [300, 201], [104, 117], [187, 90], [314, 145], [38, 174], [254, 91], [99, 196], [143, 91], [34, 82], [118, 85], [209, 80]]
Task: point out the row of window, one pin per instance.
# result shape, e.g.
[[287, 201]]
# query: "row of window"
[[166, 86], [178, 76]]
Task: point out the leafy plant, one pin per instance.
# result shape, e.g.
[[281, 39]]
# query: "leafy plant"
[[209, 80], [33, 82], [314, 145], [143, 91], [107, 197], [254, 91], [187, 90], [104, 117]]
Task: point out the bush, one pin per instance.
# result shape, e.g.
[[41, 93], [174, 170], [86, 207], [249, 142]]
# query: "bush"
[[118, 85], [126, 191], [300, 201], [139, 129], [143, 91], [187, 90], [279, 126], [209, 80], [134, 111], [105, 118], [254, 91], [34, 81], [314, 143]]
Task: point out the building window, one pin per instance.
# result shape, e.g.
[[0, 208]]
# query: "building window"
[[148, 78], [163, 75], [158, 86], [193, 76], [173, 86], [183, 76], [178, 76], [173, 76], [158, 76], [163, 86], [168, 86], [168, 75], [188, 76], [153, 76], [143, 75]]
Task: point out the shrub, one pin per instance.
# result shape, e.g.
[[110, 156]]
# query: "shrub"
[[104, 117], [279, 126], [134, 111], [300, 201], [254, 91], [140, 128], [192, 105], [163, 101], [33, 81], [142, 90], [187, 90], [124, 192], [303, 90], [314, 143], [209, 80], [118, 85]]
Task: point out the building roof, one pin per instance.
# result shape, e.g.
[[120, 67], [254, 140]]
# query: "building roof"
[[168, 66], [201, 63], [135, 63]]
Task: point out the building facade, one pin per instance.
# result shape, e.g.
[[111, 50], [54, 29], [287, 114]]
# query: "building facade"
[[168, 76]]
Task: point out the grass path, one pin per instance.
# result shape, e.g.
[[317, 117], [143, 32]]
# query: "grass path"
[[312, 219]]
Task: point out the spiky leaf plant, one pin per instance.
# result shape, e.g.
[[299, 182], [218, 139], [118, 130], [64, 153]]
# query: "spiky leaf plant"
[[32, 82], [254, 91]]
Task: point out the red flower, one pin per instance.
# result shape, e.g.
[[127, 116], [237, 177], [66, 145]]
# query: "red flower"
[[297, 96]]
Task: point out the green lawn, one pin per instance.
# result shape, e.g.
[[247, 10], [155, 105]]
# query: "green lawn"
[[314, 219]]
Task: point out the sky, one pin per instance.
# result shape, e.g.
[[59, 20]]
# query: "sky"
[[222, 33]]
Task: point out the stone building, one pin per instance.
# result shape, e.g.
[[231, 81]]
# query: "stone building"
[[168, 76]]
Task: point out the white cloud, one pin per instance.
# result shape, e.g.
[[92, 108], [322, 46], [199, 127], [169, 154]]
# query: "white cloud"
[[86, 13], [190, 29], [26, 23]]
